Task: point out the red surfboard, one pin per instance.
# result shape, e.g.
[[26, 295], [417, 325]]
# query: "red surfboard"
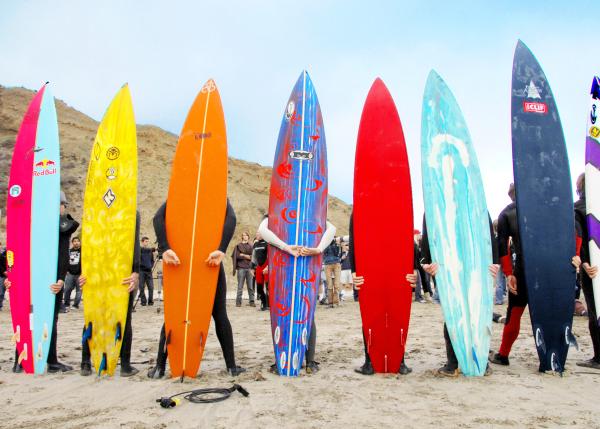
[[383, 229]]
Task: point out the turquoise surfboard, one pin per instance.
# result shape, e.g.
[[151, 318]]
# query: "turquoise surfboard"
[[45, 213], [457, 225]]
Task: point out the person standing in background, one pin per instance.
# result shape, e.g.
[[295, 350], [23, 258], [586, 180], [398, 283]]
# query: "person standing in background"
[[146, 265], [260, 264], [346, 274], [73, 273], [241, 258], [333, 267]]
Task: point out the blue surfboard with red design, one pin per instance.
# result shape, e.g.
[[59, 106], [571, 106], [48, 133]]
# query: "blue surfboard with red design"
[[297, 215]]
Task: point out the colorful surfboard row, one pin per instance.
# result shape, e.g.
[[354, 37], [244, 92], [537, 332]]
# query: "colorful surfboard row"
[[456, 216]]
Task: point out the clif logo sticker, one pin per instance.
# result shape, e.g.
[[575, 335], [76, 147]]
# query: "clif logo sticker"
[[534, 107], [45, 167]]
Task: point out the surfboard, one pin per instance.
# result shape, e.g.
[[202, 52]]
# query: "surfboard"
[[45, 214], [382, 186], [297, 215], [108, 231], [196, 207], [458, 225], [32, 230], [592, 184], [544, 208]]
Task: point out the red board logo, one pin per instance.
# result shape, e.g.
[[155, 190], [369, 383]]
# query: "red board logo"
[[535, 107], [45, 167]]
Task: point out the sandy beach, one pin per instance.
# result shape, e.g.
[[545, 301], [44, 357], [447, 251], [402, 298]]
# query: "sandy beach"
[[515, 396]]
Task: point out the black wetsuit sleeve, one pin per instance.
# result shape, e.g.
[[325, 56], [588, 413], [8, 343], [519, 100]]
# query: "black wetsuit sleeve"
[[495, 257], [73, 225], [425, 251], [351, 245], [228, 227], [136, 246], [503, 235], [160, 229]]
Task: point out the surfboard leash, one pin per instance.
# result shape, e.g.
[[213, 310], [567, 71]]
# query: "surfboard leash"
[[202, 396]]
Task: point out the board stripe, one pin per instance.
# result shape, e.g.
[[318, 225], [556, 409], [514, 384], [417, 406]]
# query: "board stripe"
[[298, 210], [189, 286]]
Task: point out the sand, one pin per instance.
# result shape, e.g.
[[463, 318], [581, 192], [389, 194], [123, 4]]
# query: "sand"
[[336, 397]]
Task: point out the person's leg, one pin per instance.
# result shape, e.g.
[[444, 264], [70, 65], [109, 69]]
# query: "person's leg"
[[150, 285], [329, 270], [53, 364], [77, 292], [588, 293], [311, 365], [451, 367], [158, 370], [2, 292], [86, 361], [240, 288], [367, 367], [260, 291], [419, 290], [69, 286], [337, 272], [142, 281], [249, 285], [222, 324], [126, 369], [500, 288]]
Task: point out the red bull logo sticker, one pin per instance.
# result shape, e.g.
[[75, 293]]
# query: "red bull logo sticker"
[[46, 167]]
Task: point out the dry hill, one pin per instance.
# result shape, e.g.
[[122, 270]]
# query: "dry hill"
[[248, 182]]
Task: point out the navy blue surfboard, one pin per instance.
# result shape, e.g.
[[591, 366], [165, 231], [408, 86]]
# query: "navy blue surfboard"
[[544, 209]]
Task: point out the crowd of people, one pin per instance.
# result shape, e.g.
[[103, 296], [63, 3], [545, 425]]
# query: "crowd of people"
[[250, 262]]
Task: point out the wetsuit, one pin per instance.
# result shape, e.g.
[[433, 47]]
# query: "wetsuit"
[[426, 259], [260, 262], [125, 353], [586, 281], [219, 312], [352, 259], [508, 231]]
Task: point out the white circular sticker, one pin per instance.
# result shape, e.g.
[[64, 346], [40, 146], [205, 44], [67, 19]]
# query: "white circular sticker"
[[14, 191]]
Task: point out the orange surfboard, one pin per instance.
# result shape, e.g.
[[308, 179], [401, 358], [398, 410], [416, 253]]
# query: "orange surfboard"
[[196, 207]]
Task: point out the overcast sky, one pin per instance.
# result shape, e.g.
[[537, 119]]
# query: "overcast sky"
[[255, 50]]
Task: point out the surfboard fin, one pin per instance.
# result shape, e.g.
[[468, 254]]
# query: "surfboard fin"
[[16, 338], [201, 339], [539, 340], [474, 353], [489, 330], [118, 332], [22, 355], [87, 333], [102, 365], [573, 341], [168, 338], [45, 333], [39, 354]]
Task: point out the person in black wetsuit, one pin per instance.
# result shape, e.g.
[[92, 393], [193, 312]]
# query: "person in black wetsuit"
[[132, 283], [260, 264], [586, 274], [67, 226], [219, 313], [367, 367], [508, 234], [450, 369]]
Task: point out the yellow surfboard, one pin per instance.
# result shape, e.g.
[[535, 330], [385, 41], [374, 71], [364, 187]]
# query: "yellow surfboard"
[[108, 231]]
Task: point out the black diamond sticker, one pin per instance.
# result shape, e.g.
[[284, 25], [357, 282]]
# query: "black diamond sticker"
[[109, 198]]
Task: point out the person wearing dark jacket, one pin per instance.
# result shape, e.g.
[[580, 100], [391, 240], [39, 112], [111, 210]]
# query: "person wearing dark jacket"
[[450, 369], [131, 283], [2, 274], [73, 273], [411, 278], [586, 274], [332, 267], [146, 265], [242, 266], [67, 226], [219, 313]]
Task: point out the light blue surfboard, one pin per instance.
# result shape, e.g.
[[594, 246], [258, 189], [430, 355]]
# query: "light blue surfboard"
[[457, 225], [45, 213]]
